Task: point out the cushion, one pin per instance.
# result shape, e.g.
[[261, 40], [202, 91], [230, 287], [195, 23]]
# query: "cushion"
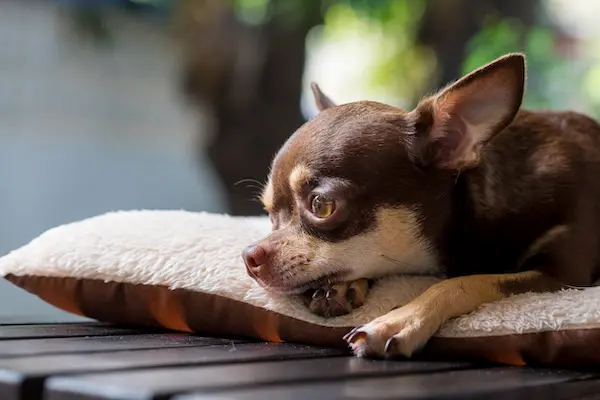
[[183, 271]]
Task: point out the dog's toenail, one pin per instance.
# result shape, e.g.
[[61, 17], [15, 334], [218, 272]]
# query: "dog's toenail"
[[331, 293], [390, 345], [347, 335], [356, 336], [318, 294]]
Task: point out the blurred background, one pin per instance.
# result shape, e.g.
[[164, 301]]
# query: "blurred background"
[[180, 104]]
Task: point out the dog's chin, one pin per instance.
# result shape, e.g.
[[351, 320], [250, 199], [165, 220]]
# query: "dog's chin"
[[302, 286]]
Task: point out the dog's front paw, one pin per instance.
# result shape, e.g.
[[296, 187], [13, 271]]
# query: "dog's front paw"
[[400, 332], [338, 299]]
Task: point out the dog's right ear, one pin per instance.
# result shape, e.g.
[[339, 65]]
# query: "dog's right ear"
[[321, 100], [452, 126]]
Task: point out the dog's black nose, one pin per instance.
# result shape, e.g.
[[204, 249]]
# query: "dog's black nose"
[[254, 256]]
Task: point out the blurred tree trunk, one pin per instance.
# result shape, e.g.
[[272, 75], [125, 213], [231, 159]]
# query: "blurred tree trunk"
[[251, 78], [448, 25]]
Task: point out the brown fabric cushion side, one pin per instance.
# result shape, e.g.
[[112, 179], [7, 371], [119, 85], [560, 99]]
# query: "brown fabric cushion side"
[[574, 348], [180, 309], [189, 311]]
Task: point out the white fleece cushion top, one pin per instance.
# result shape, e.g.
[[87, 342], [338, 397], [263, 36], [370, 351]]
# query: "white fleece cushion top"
[[201, 252]]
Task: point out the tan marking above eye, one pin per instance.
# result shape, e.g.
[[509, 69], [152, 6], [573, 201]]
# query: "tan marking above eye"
[[322, 207], [267, 196], [298, 177]]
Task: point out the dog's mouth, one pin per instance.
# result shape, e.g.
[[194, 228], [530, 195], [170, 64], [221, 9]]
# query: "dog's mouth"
[[304, 286]]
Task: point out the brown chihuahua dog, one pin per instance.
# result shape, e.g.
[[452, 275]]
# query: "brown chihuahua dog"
[[500, 200]]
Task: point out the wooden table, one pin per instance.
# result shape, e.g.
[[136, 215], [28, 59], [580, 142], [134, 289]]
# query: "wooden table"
[[96, 361]]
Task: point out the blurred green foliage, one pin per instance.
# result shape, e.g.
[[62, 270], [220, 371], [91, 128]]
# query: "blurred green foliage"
[[403, 65], [554, 80], [253, 12], [394, 24], [538, 43]]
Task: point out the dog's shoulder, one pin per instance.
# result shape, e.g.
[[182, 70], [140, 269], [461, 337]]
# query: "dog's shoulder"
[[536, 170], [549, 137], [540, 150]]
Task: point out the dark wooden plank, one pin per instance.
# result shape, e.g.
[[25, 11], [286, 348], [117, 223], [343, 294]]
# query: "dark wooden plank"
[[61, 330], [28, 347], [163, 382], [63, 318], [488, 384], [22, 378]]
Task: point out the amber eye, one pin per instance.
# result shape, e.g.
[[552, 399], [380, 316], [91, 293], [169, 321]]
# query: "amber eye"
[[322, 207]]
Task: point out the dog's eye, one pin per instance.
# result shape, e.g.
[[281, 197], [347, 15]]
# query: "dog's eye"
[[322, 207]]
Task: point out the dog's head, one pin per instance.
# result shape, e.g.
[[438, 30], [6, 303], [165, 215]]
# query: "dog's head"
[[362, 189]]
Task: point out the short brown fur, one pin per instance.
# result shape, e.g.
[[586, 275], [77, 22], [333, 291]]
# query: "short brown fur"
[[500, 200]]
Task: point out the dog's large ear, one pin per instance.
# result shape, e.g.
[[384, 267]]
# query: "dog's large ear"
[[452, 126], [321, 100]]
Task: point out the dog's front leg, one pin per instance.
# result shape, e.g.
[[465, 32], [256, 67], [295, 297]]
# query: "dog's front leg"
[[405, 330]]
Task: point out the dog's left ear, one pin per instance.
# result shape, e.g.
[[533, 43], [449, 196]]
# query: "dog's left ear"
[[452, 126], [321, 100]]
